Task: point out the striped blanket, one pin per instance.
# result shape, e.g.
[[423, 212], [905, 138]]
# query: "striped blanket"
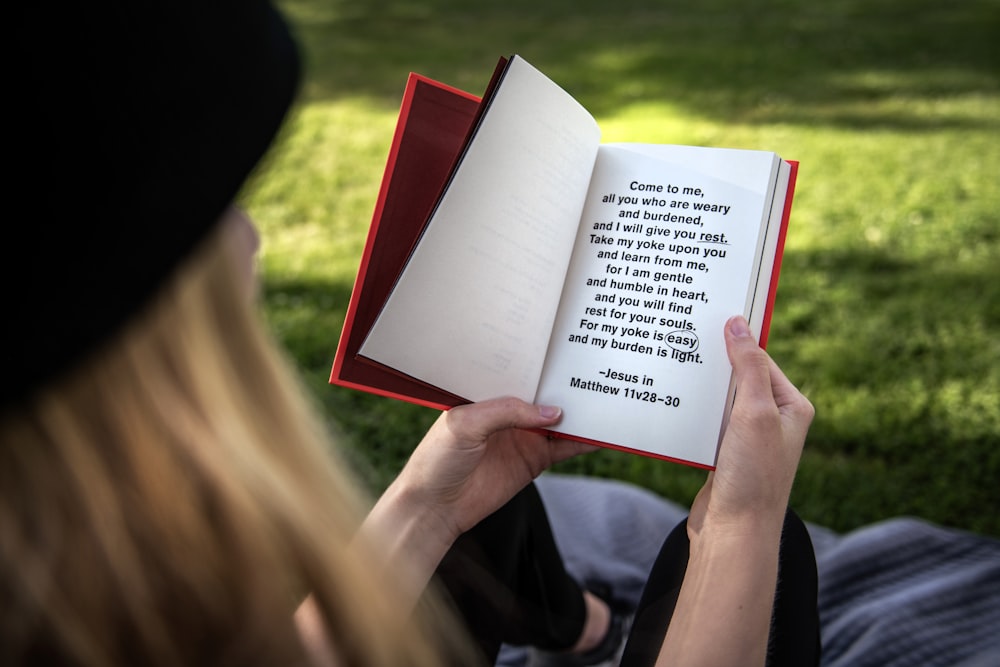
[[899, 593]]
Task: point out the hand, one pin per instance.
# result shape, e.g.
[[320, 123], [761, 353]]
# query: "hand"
[[723, 611], [476, 457], [762, 445]]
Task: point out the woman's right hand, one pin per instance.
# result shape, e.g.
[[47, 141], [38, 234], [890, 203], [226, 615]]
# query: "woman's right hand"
[[723, 611], [763, 442]]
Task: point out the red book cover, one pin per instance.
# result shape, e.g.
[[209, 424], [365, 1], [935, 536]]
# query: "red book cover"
[[433, 126], [779, 253]]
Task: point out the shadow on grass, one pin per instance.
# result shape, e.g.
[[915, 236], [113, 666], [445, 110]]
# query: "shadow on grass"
[[900, 361], [922, 323], [847, 63]]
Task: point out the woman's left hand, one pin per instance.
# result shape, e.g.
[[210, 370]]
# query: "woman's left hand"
[[476, 457], [471, 462]]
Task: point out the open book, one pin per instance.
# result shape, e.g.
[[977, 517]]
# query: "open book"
[[512, 253]]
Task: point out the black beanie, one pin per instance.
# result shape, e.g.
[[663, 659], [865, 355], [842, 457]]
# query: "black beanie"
[[135, 124]]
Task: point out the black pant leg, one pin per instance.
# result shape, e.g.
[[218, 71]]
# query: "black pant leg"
[[795, 631], [794, 639], [659, 597], [508, 582]]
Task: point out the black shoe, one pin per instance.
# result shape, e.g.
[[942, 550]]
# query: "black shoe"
[[607, 653]]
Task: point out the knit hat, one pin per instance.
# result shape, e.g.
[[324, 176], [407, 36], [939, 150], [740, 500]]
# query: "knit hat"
[[135, 124]]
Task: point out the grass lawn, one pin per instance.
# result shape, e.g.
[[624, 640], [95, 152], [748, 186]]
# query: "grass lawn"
[[888, 311]]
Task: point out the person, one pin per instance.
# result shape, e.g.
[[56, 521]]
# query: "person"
[[169, 494]]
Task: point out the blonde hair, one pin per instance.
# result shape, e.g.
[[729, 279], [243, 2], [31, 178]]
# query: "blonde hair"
[[173, 500]]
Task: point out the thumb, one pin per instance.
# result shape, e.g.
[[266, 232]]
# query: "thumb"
[[751, 365], [762, 389], [477, 421]]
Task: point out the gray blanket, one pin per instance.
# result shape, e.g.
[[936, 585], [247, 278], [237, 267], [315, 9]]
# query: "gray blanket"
[[902, 592]]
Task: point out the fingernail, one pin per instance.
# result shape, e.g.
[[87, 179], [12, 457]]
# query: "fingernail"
[[738, 327], [549, 411]]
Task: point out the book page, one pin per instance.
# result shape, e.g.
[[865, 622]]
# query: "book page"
[[761, 296], [472, 311], [665, 255]]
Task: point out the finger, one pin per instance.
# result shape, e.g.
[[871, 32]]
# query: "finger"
[[784, 391], [789, 399], [477, 421], [561, 449], [759, 378]]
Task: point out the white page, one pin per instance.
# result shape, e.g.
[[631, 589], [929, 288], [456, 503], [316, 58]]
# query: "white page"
[[627, 396], [479, 294], [761, 290]]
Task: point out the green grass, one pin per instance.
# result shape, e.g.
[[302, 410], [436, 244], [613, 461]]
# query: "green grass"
[[888, 312]]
